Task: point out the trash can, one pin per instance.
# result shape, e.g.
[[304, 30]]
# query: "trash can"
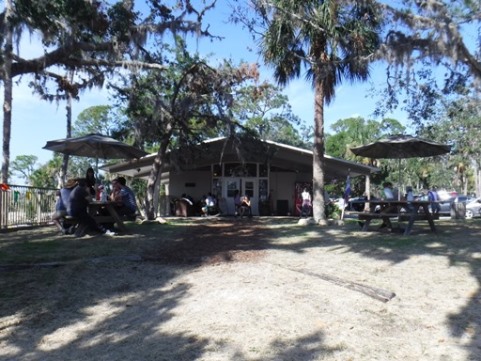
[[282, 207], [458, 210]]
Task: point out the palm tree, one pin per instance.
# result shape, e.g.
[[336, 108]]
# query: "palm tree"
[[7, 45], [333, 40]]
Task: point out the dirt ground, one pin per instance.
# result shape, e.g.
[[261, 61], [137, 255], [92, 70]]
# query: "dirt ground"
[[225, 289]]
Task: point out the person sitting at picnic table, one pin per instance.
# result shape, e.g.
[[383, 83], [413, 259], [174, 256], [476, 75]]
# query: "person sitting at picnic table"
[[61, 205], [389, 195], [78, 208], [91, 181], [102, 193], [209, 204], [388, 191], [59, 214], [245, 206], [124, 198]]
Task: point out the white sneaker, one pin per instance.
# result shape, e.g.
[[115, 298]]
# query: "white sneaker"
[[110, 233]]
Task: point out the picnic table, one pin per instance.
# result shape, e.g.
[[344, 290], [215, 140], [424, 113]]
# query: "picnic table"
[[104, 212], [385, 210]]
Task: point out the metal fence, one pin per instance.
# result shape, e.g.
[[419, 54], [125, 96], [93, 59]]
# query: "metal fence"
[[23, 206]]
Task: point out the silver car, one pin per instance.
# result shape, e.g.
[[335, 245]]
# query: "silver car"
[[473, 208]]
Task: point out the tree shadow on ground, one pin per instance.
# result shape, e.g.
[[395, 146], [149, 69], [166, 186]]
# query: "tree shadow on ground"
[[46, 309], [234, 240], [53, 299], [455, 240]]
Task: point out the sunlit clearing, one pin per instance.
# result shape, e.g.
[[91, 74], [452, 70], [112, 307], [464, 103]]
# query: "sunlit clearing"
[[71, 333]]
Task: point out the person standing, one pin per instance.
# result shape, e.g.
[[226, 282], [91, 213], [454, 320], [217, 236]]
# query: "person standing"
[[306, 205], [237, 202], [409, 199], [434, 199]]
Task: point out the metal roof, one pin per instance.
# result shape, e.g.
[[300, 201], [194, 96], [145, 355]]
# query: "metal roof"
[[282, 157]]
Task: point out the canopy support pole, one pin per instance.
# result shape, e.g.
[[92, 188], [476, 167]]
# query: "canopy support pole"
[[400, 180]]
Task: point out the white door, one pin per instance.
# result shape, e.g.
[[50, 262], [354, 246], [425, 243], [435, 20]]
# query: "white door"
[[244, 186], [249, 187], [231, 185]]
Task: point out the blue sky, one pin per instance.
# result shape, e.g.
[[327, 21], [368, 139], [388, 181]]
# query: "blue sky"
[[34, 121]]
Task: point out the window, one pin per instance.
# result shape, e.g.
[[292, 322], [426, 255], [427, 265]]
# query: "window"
[[263, 193], [232, 187], [249, 188], [217, 187], [263, 170], [241, 170], [217, 170]]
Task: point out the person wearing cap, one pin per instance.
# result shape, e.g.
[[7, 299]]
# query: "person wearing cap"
[[124, 198], [66, 190]]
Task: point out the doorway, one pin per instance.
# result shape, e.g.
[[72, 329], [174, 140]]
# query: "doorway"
[[244, 186]]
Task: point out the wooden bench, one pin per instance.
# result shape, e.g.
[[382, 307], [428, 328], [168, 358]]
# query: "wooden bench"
[[110, 219], [402, 216], [106, 213], [367, 217], [71, 219], [69, 224], [417, 216]]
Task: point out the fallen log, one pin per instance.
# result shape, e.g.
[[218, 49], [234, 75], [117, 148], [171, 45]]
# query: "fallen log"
[[374, 292]]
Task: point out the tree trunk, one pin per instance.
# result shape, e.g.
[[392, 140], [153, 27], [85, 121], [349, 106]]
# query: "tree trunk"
[[318, 206], [8, 88], [478, 181], [151, 201], [63, 171]]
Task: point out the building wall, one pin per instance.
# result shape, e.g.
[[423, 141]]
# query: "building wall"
[[193, 183], [282, 186], [198, 183], [280, 190]]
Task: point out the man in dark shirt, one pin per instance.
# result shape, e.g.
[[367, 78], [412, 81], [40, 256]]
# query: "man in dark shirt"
[[78, 208]]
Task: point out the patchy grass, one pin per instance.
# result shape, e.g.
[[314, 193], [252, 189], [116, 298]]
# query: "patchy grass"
[[228, 289], [44, 245]]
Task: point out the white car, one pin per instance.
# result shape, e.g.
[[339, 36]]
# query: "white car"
[[473, 208]]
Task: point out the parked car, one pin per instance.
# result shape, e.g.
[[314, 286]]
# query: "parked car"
[[473, 208], [356, 204], [446, 203]]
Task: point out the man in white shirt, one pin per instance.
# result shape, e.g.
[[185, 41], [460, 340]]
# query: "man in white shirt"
[[306, 203], [388, 192]]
